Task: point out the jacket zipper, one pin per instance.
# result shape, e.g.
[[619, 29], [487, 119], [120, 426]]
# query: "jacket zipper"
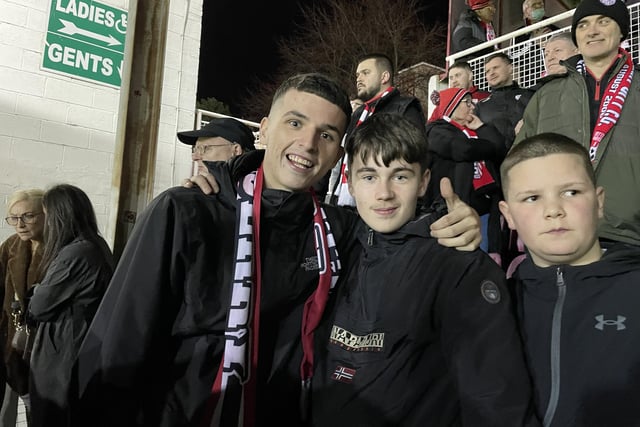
[[556, 330], [370, 237]]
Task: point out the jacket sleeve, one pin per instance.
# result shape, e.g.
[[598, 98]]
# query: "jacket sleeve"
[[450, 143], [58, 286], [128, 339], [529, 118], [483, 344]]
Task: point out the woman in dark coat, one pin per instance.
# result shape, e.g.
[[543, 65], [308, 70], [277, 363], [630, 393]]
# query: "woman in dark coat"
[[77, 266], [468, 152]]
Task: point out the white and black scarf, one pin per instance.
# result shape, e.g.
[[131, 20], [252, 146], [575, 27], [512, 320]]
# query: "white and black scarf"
[[234, 390]]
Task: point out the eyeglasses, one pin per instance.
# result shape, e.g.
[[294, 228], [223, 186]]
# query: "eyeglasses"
[[469, 102], [202, 149], [26, 218]]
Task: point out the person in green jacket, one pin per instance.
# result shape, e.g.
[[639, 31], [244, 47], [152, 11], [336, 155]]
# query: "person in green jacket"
[[597, 102]]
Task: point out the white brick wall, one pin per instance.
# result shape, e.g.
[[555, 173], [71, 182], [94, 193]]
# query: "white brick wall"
[[56, 128]]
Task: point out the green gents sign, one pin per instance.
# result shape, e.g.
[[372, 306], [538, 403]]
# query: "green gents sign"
[[85, 39]]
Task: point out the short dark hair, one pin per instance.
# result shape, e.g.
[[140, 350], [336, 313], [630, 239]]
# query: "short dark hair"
[[383, 62], [461, 64], [542, 145], [69, 215], [506, 58], [390, 136], [317, 84]]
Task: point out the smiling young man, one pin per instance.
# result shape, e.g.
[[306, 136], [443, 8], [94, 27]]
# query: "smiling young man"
[[577, 305], [210, 316], [420, 333], [597, 102]]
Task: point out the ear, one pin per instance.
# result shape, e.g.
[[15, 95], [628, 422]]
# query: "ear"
[[424, 182], [504, 210], [264, 125], [237, 149], [600, 198], [386, 77], [349, 183]]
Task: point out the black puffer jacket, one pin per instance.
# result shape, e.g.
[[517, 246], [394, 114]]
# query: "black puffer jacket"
[[154, 348], [582, 335]]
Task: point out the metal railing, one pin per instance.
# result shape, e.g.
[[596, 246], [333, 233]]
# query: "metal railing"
[[528, 56]]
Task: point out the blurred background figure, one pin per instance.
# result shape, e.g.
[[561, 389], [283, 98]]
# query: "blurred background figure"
[[20, 258], [468, 151], [474, 26], [532, 13], [558, 48], [219, 140], [77, 265], [461, 76]]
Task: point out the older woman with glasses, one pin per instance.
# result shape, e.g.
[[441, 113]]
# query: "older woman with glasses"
[[468, 152], [20, 259]]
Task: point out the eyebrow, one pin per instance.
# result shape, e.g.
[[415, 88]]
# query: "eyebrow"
[[305, 117], [373, 169]]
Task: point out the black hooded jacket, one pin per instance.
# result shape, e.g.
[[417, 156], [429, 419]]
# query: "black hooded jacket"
[[152, 353], [422, 335], [581, 329]]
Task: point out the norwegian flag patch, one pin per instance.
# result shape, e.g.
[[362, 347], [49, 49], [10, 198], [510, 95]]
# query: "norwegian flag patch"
[[343, 374]]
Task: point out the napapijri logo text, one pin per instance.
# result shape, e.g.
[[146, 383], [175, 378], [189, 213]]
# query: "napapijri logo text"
[[352, 342]]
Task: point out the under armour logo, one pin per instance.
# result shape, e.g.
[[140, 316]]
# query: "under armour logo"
[[619, 323]]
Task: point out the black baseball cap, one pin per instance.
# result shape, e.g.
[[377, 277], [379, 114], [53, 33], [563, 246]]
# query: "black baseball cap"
[[230, 129]]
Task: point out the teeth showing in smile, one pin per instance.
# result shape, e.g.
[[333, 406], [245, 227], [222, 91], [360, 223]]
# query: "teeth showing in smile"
[[299, 161]]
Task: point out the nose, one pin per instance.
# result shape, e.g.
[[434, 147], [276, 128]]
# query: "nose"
[[384, 190], [553, 209]]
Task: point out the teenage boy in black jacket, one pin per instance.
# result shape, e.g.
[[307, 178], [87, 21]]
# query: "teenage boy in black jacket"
[[420, 334], [577, 303]]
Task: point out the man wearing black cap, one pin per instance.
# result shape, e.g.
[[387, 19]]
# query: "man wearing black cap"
[[221, 139], [597, 102]]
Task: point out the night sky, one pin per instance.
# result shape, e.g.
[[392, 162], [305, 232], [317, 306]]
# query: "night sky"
[[239, 40]]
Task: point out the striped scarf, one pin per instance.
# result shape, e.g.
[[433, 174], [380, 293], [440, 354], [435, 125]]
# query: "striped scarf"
[[233, 398]]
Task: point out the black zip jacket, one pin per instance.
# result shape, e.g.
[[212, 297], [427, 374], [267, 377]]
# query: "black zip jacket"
[[504, 108], [154, 347], [423, 335], [581, 327]]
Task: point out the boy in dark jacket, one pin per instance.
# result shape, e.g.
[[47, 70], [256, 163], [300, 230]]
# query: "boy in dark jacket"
[[576, 302], [420, 334]]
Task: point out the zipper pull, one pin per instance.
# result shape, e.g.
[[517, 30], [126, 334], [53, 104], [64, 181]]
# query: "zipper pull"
[[370, 238], [559, 278]]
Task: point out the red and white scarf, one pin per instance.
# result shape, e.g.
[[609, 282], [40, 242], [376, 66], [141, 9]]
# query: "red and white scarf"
[[233, 395], [481, 175], [612, 101]]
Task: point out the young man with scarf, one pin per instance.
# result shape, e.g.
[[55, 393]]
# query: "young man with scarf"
[[421, 334], [210, 316], [374, 84], [597, 102]]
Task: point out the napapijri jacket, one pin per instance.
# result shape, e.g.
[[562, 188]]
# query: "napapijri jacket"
[[423, 335], [155, 345], [581, 330]]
